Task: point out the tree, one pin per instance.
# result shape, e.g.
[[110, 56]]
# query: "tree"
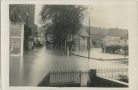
[[64, 20]]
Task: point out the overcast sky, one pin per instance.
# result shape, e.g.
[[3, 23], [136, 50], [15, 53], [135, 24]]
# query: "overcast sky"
[[104, 15]]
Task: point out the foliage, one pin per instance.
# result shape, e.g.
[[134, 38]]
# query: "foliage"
[[64, 20]]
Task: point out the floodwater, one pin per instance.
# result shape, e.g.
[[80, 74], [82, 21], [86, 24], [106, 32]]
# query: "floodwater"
[[30, 69], [97, 53]]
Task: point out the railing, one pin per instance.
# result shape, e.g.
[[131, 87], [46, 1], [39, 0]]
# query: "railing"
[[64, 77], [116, 73], [71, 77], [101, 77]]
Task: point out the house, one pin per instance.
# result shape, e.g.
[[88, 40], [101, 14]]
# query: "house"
[[24, 14], [112, 44], [110, 40], [81, 40], [16, 39]]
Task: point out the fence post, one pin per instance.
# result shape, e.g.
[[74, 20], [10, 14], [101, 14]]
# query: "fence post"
[[80, 76], [92, 76]]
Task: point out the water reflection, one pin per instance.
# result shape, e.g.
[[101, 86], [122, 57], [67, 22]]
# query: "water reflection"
[[33, 67]]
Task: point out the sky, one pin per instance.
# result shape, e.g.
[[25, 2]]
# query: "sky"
[[103, 15], [38, 8], [108, 16]]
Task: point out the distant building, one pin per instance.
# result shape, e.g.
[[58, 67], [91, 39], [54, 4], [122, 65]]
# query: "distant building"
[[118, 45], [124, 41], [81, 40], [110, 40], [39, 38]]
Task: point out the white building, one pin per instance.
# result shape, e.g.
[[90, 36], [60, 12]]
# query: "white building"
[[124, 41], [16, 38], [110, 40]]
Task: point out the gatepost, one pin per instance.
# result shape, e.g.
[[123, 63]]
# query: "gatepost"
[[92, 76]]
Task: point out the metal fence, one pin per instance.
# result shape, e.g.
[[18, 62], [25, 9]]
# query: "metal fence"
[[84, 78], [67, 78], [116, 73]]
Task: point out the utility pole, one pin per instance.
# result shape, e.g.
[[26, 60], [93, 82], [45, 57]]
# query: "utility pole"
[[89, 44]]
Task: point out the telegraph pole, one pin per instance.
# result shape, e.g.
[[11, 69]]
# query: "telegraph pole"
[[89, 44]]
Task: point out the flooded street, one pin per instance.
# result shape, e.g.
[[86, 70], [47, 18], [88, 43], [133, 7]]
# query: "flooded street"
[[34, 66], [30, 69], [68, 45]]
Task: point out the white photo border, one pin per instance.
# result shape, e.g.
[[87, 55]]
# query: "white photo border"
[[133, 41]]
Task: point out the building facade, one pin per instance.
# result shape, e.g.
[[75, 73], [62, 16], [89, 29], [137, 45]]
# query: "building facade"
[[118, 45], [81, 40], [110, 40], [26, 14], [16, 39]]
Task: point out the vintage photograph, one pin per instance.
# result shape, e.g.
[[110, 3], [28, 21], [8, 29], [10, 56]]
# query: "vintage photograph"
[[69, 45]]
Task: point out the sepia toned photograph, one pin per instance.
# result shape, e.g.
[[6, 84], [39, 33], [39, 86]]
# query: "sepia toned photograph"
[[69, 45]]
